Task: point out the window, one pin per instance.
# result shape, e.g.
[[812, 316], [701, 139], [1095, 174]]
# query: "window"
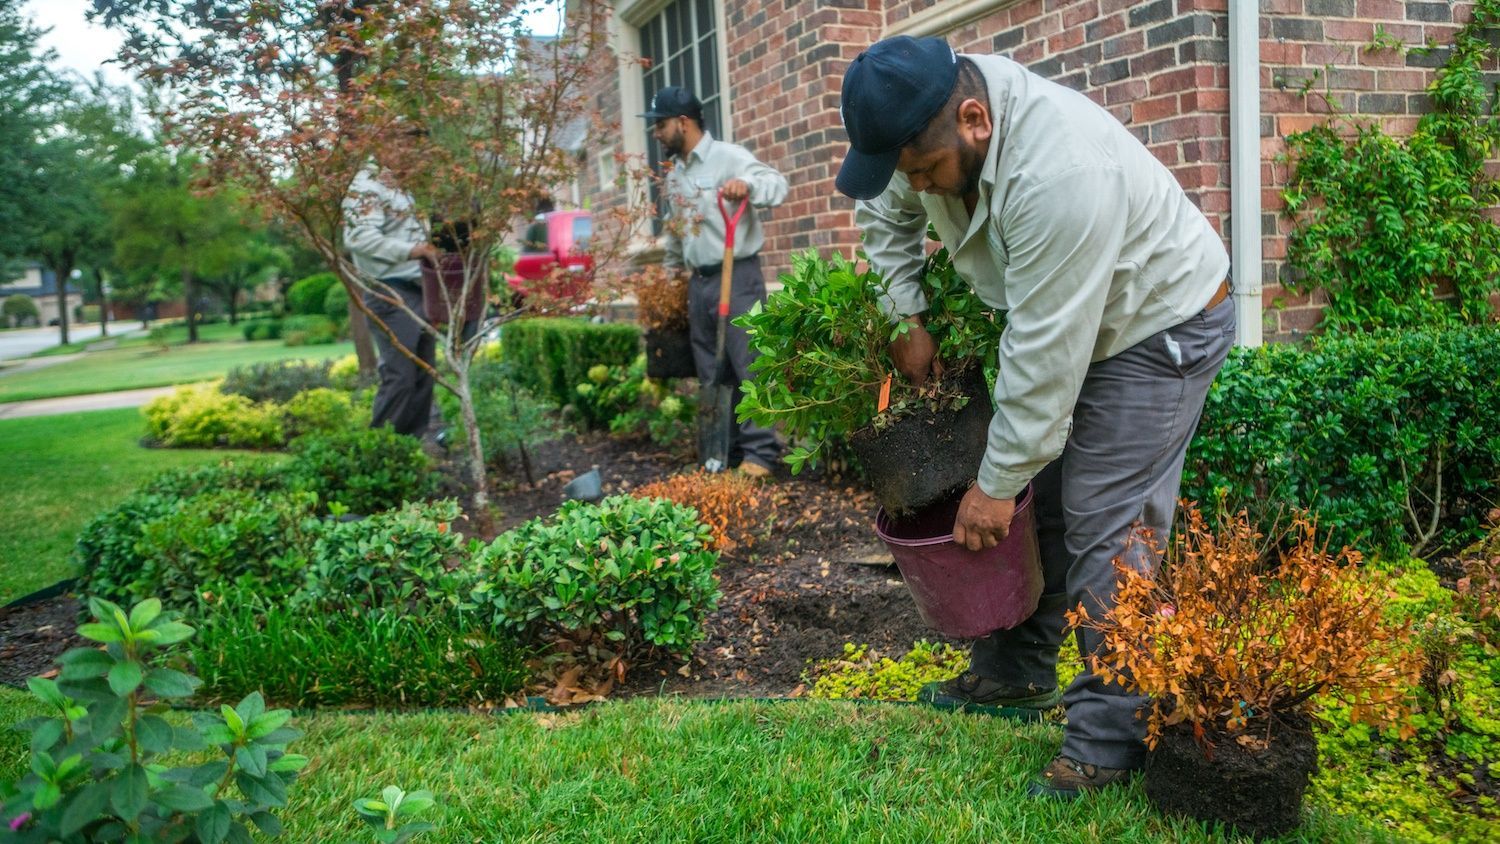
[[583, 229], [681, 42]]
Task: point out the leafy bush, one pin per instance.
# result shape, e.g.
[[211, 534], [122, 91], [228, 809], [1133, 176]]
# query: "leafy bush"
[[551, 356], [309, 330], [19, 309], [277, 381], [1227, 645], [608, 392], [662, 298], [391, 815], [665, 412], [89, 313], [98, 765], [733, 506], [353, 656], [400, 561], [262, 329], [823, 349], [336, 304], [860, 674], [635, 571], [1392, 439], [225, 536], [322, 410], [365, 471], [194, 417], [509, 416], [344, 373], [108, 555], [307, 295]]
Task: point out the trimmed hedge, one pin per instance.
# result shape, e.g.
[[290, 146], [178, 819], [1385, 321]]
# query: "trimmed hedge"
[[307, 295], [552, 355], [1392, 439]]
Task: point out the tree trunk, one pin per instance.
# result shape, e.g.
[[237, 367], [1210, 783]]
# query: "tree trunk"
[[190, 292], [63, 271], [364, 343], [234, 301], [477, 474], [103, 303]]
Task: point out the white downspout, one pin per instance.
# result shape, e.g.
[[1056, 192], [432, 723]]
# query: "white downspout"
[[1244, 167]]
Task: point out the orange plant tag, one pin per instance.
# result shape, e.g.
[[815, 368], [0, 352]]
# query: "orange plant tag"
[[885, 396]]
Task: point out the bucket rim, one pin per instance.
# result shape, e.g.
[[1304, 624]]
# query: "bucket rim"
[[883, 522]]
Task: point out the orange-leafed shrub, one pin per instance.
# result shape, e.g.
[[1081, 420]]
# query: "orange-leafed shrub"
[[1479, 595], [732, 505], [1227, 643], [662, 298]]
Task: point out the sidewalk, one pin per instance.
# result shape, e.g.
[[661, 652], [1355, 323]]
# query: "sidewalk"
[[77, 404]]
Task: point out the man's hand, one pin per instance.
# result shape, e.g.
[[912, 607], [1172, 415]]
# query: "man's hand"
[[915, 353], [982, 521], [425, 251], [735, 190]]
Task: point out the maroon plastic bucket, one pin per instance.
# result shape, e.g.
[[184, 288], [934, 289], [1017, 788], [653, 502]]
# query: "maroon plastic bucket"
[[961, 593], [451, 270]]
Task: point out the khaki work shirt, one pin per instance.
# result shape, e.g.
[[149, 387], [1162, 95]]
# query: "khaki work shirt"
[[696, 237], [1080, 234]]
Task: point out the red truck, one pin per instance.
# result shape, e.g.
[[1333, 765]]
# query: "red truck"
[[552, 240]]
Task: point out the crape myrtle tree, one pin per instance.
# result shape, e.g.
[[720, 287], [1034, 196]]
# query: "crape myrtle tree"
[[451, 97]]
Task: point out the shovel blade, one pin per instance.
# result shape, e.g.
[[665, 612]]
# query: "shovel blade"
[[715, 421]]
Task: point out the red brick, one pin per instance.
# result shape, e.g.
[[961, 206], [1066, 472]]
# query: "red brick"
[[1384, 10], [1155, 108], [1080, 13], [1359, 32], [1174, 81], [1205, 100], [1125, 91], [1065, 40], [1324, 54], [1280, 52]]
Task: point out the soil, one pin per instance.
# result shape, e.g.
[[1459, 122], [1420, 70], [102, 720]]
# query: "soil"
[[1251, 783], [816, 577]]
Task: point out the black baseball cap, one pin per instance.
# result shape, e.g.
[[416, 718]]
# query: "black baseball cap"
[[891, 92], [673, 101]]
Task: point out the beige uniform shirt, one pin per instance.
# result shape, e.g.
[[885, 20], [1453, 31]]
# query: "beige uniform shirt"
[[697, 238], [380, 229], [1080, 234]]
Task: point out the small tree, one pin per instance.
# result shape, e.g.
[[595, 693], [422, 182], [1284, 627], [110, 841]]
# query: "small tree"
[[292, 100], [18, 309]]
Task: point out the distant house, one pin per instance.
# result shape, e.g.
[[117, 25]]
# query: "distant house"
[[41, 285], [1211, 87]]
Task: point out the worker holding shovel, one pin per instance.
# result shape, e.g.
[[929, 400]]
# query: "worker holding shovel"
[[1118, 318], [717, 191]]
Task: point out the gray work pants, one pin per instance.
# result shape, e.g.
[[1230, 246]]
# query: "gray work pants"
[[750, 441], [1121, 468], [403, 400]]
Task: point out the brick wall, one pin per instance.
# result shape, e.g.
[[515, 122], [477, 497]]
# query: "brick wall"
[[1160, 67]]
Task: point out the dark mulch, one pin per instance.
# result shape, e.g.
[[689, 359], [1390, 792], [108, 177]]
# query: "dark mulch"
[[817, 578]]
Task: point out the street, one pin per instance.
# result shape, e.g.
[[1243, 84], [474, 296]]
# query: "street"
[[27, 341]]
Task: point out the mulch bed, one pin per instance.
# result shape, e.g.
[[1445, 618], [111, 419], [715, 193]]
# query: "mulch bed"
[[817, 578]]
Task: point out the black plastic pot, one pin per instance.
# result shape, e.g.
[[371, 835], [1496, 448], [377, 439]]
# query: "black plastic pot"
[[1257, 790], [669, 354], [926, 456]]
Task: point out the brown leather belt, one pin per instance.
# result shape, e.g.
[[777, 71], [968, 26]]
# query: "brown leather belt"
[[1219, 295]]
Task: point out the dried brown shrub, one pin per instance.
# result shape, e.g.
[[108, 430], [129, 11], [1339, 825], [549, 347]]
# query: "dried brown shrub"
[[1222, 641], [732, 505], [662, 298]]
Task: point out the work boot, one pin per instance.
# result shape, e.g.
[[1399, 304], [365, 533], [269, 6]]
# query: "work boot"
[[1066, 778], [969, 692]]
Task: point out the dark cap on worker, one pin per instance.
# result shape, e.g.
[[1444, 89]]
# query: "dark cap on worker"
[[673, 101], [891, 92]]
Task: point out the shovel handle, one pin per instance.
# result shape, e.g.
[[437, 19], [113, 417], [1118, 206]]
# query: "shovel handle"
[[726, 270]]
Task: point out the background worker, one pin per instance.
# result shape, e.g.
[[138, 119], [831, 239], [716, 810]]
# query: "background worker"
[[700, 168], [1118, 318]]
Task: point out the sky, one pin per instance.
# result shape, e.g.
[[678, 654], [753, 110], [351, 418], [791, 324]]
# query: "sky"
[[86, 48]]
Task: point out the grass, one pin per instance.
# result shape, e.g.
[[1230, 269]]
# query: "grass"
[[138, 362], [60, 471], [662, 771]]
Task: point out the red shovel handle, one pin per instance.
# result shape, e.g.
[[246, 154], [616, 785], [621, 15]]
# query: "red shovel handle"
[[730, 222], [726, 270]]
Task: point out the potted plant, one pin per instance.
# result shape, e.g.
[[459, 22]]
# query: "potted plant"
[[824, 374], [1235, 652], [662, 298]]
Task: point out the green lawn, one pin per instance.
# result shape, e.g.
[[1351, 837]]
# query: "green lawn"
[[136, 363], [60, 471], [662, 771]]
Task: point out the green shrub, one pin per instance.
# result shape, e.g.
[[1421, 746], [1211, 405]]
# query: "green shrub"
[[336, 304], [608, 392], [554, 355], [195, 417], [306, 296], [636, 571], [354, 657], [309, 330], [365, 471], [19, 310], [863, 675], [89, 313], [277, 381], [400, 561], [98, 762], [508, 415], [344, 373], [1392, 439], [228, 536], [667, 412], [322, 410], [262, 329]]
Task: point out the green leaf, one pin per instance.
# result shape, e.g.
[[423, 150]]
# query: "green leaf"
[[232, 720], [47, 795], [265, 724], [142, 614], [172, 632], [251, 760], [85, 663], [46, 691], [168, 683], [154, 734], [106, 633], [128, 793], [125, 677], [85, 807], [212, 826], [183, 798]]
